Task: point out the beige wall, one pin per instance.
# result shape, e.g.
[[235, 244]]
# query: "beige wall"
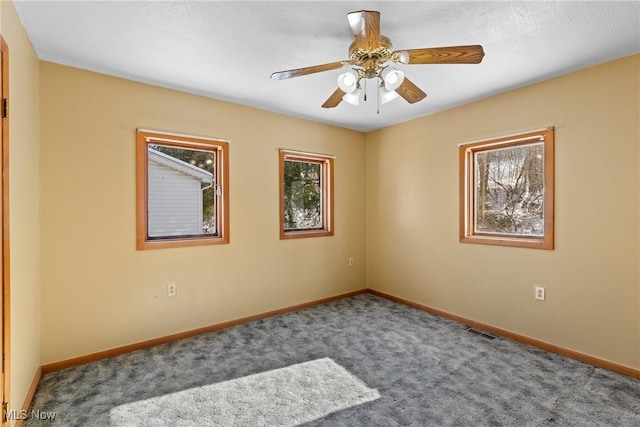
[[592, 277], [100, 292], [24, 195]]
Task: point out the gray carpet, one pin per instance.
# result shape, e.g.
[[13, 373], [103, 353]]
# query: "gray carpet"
[[428, 371], [284, 397]]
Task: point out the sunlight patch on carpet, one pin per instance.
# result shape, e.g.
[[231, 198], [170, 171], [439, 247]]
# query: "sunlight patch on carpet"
[[287, 396]]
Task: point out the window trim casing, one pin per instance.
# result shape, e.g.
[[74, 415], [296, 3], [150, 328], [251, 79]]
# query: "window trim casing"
[[327, 163], [143, 139], [467, 180]]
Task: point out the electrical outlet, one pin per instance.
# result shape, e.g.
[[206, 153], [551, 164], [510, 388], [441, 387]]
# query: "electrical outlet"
[[172, 290], [540, 293], [352, 262]]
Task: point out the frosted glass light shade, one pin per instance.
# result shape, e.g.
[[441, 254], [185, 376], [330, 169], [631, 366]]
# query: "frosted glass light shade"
[[403, 57], [387, 95], [392, 78], [353, 97], [348, 82]]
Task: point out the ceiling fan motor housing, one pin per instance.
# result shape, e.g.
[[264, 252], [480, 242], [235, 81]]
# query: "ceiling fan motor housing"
[[370, 60]]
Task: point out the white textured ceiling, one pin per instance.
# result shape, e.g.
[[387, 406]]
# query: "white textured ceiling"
[[228, 49]]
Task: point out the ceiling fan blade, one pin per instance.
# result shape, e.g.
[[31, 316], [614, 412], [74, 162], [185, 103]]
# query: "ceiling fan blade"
[[410, 92], [334, 99], [281, 75], [446, 55], [365, 26]]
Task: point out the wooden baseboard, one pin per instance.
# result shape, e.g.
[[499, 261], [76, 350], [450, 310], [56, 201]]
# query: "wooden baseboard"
[[32, 391], [81, 360], [592, 360]]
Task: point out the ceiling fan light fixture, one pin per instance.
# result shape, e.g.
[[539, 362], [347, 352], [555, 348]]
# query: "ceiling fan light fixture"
[[392, 78], [403, 57], [348, 81], [353, 97], [387, 95]]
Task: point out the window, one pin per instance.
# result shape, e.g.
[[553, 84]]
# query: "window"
[[306, 195], [182, 190], [506, 191]]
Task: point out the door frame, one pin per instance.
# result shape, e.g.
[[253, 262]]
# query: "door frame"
[[4, 230]]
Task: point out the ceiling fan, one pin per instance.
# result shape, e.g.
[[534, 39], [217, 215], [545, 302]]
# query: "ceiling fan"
[[371, 57]]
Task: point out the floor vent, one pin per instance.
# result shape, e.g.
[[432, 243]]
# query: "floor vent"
[[481, 333]]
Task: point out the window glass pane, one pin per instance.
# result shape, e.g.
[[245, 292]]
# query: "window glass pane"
[[302, 195], [509, 190], [181, 192]]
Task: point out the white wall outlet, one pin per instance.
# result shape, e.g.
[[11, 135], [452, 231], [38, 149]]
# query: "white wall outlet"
[[540, 293], [352, 261], [172, 290]]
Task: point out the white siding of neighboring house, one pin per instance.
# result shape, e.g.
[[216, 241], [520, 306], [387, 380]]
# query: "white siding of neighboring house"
[[175, 202]]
